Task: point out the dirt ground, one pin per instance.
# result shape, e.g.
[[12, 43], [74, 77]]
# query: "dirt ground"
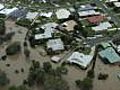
[[19, 61]]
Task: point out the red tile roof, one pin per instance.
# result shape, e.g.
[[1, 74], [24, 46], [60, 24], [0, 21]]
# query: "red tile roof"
[[95, 19]]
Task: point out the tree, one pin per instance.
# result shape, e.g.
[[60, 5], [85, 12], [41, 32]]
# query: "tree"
[[22, 87], [27, 52], [13, 48], [90, 74], [47, 66], [3, 79], [86, 84], [53, 83], [2, 27], [102, 76]]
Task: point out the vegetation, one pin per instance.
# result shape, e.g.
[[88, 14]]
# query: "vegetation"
[[102, 76], [48, 77], [27, 52], [2, 27], [90, 74], [86, 84], [3, 79], [13, 48], [24, 22], [22, 87], [2, 16]]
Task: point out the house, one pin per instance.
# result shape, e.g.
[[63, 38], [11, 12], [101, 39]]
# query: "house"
[[55, 45], [105, 45], [31, 15], [1, 6], [86, 7], [80, 59], [116, 4], [62, 13], [87, 10], [109, 56], [55, 59], [118, 48], [95, 19], [48, 30], [69, 25], [111, 0], [19, 13], [46, 14], [88, 13], [8, 11], [102, 26]]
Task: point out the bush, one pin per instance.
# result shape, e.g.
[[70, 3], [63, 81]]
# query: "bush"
[[90, 74], [8, 36], [27, 52], [102, 76], [24, 22], [13, 48], [86, 84], [2, 27], [3, 79]]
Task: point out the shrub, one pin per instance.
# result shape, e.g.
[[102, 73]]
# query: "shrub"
[[13, 48], [24, 22], [3, 79], [90, 74], [2, 27], [102, 76]]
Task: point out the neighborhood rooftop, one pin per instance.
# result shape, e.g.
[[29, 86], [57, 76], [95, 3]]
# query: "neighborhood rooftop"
[[110, 54]]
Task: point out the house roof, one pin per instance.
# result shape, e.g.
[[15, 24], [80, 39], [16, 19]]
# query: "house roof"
[[110, 54], [95, 19], [8, 11], [86, 7], [80, 59], [117, 4], [88, 13], [111, 0], [102, 26], [49, 29], [62, 13], [45, 14], [105, 45], [55, 58], [69, 25], [55, 44], [1, 6], [31, 15]]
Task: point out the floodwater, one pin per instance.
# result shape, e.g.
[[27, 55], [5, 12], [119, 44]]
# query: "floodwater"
[[74, 73]]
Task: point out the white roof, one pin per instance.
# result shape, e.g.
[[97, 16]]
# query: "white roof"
[[8, 11], [80, 59], [118, 48], [117, 4], [1, 6], [31, 15], [55, 44], [43, 36], [49, 29], [45, 14], [102, 26], [111, 0], [55, 59], [62, 14], [88, 12]]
